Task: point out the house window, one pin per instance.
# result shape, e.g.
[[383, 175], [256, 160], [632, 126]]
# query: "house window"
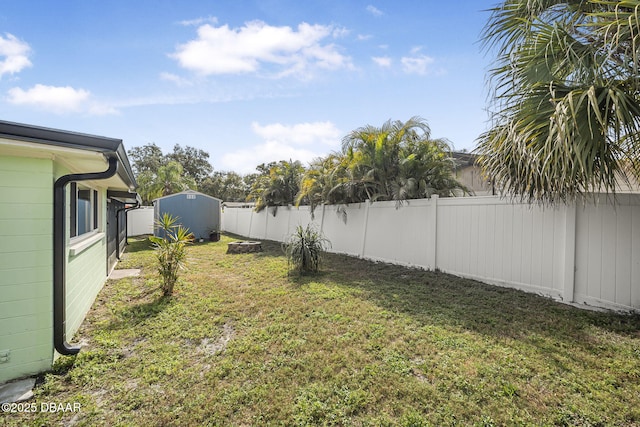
[[84, 210]]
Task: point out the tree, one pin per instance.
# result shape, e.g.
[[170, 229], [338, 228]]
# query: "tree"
[[170, 250], [566, 97], [170, 179], [227, 186], [195, 162], [277, 184], [319, 182], [147, 158], [153, 169], [397, 161]]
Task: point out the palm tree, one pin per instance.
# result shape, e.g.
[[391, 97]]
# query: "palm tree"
[[170, 179], [425, 170], [277, 185], [567, 97], [399, 161], [318, 181]]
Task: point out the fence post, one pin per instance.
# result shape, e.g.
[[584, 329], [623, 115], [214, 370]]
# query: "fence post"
[[569, 252], [364, 227], [433, 229], [322, 219]]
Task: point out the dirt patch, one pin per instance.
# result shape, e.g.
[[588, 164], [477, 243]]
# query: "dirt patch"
[[213, 347]]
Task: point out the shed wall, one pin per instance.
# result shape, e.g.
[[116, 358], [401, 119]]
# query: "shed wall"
[[199, 214]]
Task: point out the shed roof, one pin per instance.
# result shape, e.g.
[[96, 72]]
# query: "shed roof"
[[188, 192]]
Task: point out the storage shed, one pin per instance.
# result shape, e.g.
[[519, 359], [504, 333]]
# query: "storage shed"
[[198, 212]]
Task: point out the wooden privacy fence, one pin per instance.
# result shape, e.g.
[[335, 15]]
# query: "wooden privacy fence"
[[587, 254]]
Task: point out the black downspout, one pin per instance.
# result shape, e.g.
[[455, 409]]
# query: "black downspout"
[[59, 253], [126, 239]]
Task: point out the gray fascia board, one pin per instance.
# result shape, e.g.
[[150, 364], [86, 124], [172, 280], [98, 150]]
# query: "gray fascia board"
[[82, 141]]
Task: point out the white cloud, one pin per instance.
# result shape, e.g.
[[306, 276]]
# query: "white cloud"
[[198, 21], [302, 141], [256, 46], [15, 53], [324, 133], [179, 81], [364, 37], [374, 10], [382, 61], [339, 33], [58, 100], [416, 64]]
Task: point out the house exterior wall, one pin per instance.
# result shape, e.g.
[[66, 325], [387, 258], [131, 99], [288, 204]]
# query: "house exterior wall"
[[26, 265], [86, 274], [471, 177]]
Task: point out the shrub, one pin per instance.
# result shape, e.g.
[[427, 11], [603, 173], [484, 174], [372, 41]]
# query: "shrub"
[[304, 249], [170, 250]]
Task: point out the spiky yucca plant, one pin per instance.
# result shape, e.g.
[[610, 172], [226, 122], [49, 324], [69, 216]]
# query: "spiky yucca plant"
[[170, 250], [304, 249]]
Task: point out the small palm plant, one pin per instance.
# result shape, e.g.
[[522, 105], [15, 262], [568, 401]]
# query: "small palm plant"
[[304, 249], [170, 250]]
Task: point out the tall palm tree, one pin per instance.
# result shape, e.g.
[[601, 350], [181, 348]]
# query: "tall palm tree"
[[566, 116]]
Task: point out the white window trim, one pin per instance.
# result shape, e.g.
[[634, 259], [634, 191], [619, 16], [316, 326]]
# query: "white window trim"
[[79, 244], [95, 202]]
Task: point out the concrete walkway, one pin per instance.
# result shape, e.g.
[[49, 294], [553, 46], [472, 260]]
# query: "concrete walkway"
[[17, 391], [121, 274]]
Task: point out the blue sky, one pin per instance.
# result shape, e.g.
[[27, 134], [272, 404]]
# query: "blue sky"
[[247, 81]]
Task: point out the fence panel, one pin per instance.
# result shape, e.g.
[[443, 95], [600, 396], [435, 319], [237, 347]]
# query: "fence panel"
[[499, 242], [608, 253], [343, 226], [403, 240], [302, 216], [587, 254], [278, 223], [140, 221]]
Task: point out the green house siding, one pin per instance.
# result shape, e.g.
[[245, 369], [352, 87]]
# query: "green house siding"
[[26, 265], [86, 274], [86, 271]]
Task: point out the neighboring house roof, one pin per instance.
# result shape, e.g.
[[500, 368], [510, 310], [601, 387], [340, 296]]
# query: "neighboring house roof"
[[188, 192], [109, 147], [462, 159]]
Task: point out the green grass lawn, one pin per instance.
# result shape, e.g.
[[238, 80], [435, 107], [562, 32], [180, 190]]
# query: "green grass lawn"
[[242, 343]]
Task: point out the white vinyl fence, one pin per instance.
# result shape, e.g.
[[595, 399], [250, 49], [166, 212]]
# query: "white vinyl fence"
[[140, 221], [589, 254]]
